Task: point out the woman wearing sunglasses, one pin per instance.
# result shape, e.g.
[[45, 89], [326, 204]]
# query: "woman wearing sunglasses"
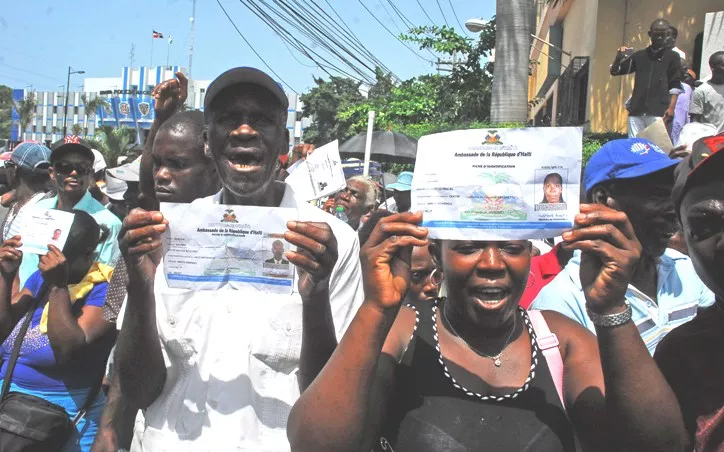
[[71, 174], [474, 372]]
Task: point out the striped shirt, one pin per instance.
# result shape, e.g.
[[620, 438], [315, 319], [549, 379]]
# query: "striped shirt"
[[680, 293]]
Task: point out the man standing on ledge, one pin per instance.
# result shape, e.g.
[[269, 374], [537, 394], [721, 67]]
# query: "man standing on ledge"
[[658, 79], [220, 370]]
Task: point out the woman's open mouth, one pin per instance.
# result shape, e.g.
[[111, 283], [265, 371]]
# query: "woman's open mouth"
[[491, 296]]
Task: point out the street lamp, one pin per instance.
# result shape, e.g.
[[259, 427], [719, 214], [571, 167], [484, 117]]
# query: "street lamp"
[[67, 93], [476, 25]]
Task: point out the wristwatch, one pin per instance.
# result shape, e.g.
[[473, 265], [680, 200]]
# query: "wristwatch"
[[611, 320]]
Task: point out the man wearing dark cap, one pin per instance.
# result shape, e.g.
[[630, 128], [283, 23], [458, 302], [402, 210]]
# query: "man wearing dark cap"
[[658, 78], [220, 370], [71, 172], [691, 356], [634, 176], [27, 172]]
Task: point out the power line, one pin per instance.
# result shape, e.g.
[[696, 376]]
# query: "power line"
[[298, 21], [456, 15], [37, 74], [442, 12], [406, 22], [288, 37], [424, 11], [353, 35], [252, 47], [393, 35]]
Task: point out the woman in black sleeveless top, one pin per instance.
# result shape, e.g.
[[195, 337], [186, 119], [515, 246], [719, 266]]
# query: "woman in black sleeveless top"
[[466, 373]]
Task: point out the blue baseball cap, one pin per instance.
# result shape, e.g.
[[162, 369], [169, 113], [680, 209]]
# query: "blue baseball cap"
[[404, 182], [625, 159], [31, 156]]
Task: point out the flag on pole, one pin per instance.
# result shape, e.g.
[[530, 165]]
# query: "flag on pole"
[[157, 34], [170, 39]]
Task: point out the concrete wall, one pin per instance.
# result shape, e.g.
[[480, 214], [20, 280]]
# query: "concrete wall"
[[627, 22]]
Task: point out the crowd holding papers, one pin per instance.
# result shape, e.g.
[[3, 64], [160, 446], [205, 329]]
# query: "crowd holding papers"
[[40, 227], [504, 184], [208, 246], [319, 175]]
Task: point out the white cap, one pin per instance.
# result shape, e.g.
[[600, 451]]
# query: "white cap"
[[99, 163], [129, 172], [114, 188]]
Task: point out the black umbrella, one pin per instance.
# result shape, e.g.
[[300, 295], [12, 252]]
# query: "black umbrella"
[[388, 146]]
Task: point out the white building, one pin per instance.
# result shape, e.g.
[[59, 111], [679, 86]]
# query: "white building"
[[130, 105]]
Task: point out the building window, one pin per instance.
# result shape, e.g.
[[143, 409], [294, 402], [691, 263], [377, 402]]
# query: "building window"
[[75, 110], [55, 110]]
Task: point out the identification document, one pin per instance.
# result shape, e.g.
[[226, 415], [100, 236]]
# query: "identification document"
[[40, 227], [320, 175], [504, 184], [208, 246]]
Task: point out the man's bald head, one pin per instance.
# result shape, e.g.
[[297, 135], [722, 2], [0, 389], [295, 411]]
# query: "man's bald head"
[[659, 33]]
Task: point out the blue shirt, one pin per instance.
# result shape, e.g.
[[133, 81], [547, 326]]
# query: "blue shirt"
[[37, 368], [107, 251], [680, 293]]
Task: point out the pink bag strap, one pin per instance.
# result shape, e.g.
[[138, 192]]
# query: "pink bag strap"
[[548, 343]]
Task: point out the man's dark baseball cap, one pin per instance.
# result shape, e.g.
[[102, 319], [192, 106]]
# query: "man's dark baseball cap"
[[249, 75], [706, 158], [71, 144]]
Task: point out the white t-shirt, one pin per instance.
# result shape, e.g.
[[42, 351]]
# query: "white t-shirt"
[[232, 356], [708, 101]]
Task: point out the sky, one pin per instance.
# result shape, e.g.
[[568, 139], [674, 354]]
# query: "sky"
[[39, 39]]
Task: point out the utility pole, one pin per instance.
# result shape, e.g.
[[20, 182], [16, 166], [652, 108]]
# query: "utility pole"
[[192, 38], [67, 93], [133, 54], [452, 64]]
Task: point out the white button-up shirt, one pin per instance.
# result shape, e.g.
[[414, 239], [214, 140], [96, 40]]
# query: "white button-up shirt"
[[232, 356]]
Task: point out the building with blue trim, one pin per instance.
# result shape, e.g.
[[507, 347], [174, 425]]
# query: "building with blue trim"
[[129, 104]]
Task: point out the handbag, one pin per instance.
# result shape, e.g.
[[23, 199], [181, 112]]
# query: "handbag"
[[29, 423]]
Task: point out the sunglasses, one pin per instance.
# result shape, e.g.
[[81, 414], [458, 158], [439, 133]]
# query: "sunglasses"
[[68, 167]]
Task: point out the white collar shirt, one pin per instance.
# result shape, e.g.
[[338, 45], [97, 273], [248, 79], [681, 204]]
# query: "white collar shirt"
[[232, 356]]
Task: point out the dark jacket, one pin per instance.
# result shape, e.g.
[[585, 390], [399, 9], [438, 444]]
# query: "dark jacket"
[[657, 72]]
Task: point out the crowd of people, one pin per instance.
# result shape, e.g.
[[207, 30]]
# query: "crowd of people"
[[390, 340]]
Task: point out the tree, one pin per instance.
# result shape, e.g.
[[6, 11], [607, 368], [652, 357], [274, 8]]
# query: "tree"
[[323, 102], [512, 43], [76, 130], [91, 107], [6, 108], [113, 142], [26, 111]]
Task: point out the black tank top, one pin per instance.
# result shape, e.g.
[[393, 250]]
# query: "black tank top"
[[436, 406]]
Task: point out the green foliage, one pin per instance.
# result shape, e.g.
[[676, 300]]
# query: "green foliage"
[[461, 97], [323, 102], [91, 106], [26, 110], [113, 142], [77, 129], [592, 142], [6, 107]]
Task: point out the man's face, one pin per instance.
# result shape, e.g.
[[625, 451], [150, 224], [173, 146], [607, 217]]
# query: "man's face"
[[403, 199], [71, 174], [278, 250], [659, 35], [647, 203], [702, 215], [552, 190], [181, 171], [352, 199], [245, 136]]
